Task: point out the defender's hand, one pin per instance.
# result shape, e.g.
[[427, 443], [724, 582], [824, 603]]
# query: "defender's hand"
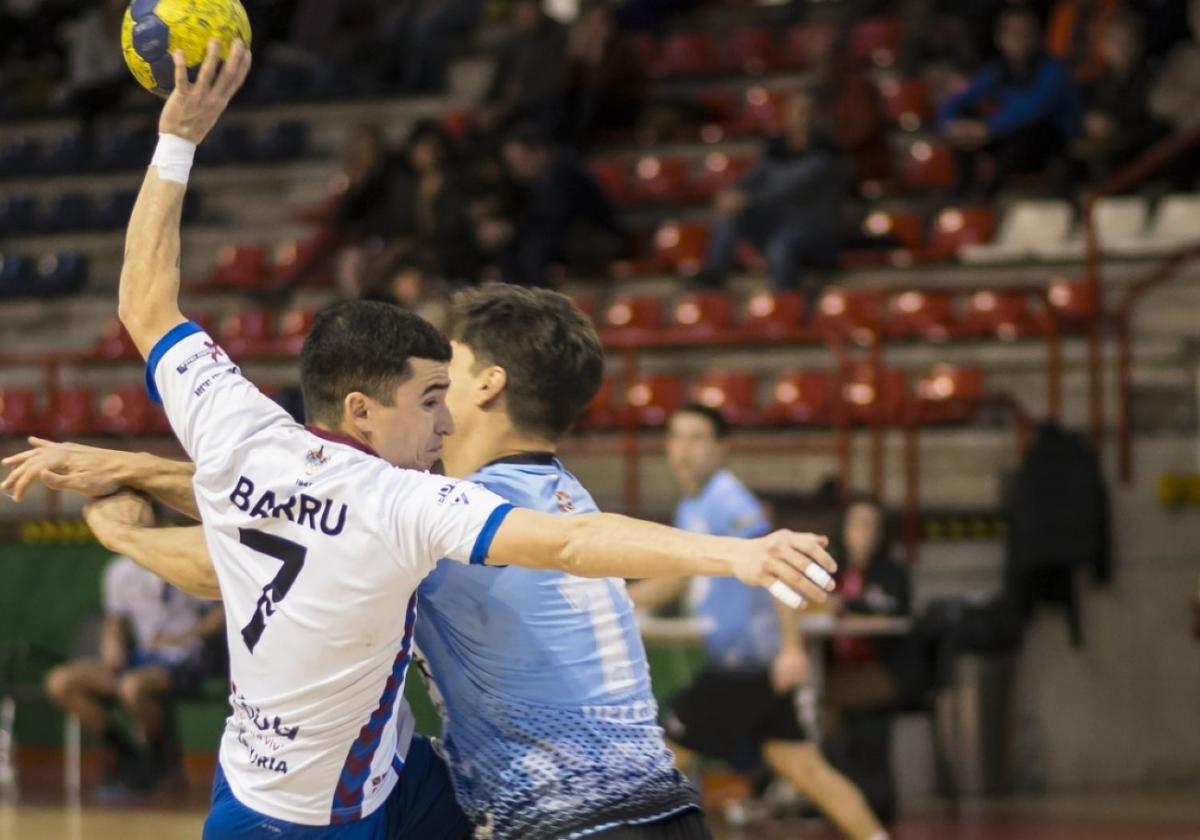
[[193, 108], [64, 466], [789, 670], [798, 561], [117, 512]]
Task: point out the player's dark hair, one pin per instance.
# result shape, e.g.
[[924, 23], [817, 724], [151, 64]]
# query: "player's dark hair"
[[720, 425], [362, 346], [546, 345]]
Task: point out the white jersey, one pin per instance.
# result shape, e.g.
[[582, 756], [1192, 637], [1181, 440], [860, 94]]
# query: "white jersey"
[[318, 546], [152, 607]]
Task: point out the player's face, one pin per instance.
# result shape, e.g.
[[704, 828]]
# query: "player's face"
[[693, 451], [409, 432], [861, 533]]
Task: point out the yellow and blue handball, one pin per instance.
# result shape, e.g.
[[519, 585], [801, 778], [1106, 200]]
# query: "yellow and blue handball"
[[154, 29]]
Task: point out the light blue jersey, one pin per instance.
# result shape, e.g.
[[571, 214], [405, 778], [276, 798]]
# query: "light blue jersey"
[[550, 726], [741, 628]]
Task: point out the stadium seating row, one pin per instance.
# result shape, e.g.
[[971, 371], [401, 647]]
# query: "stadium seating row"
[[944, 394], [74, 212], [130, 150]]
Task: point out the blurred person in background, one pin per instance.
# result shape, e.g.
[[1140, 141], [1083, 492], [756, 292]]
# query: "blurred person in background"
[[1175, 92], [742, 708], [865, 674], [1074, 32], [1117, 124], [151, 645], [562, 216], [604, 84], [96, 77], [526, 84], [1017, 115], [789, 206], [416, 38]]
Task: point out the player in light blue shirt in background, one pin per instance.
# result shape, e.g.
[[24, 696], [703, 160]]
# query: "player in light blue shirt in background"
[[742, 707]]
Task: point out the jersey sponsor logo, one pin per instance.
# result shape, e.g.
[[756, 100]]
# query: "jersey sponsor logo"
[[447, 490], [314, 460], [211, 350], [309, 511], [262, 734], [565, 503]]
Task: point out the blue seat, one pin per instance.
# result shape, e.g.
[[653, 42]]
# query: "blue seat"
[[283, 141], [16, 274], [19, 157], [60, 274], [131, 150], [68, 212], [66, 154], [113, 211], [18, 214]]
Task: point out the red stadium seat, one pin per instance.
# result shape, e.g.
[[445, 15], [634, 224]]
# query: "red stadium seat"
[[18, 412], [721, 172], [1005, 315], [868, 398], [633, 313], [292, 330], [651, 400], [761, 111], [299, 261], [803, 45], [735, 395], [677, 246], [115, 343], [706, 313], [854, 313], [661, 180], [774, 314], [1074, 301], [948, 393], [687, 54], [245, 266], [799, 398], [71, 413], [928, 165], [897, 236], [749, 51], [612, 175], [877, 40], [245, 333], [958, 226], [906, 103], [920, 315], [601, 413], [125, 411]]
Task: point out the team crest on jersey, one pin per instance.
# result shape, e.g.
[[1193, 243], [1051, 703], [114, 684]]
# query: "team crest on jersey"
[[314, 460], [564, 501]]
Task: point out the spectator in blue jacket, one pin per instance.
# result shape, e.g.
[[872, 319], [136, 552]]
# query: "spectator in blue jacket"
[[789, 206], [1018, 113]]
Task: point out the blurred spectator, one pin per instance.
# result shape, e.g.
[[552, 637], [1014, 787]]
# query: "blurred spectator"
[[564, 217], [150, 651], [789, 205], [526, 85], [1117, 125], [742, 707], [416, 41], [849, 100], [363, 210], [404, 277], [96, 76], [865, 673], [1017, 114], [1176, 89], [604, 77], [1074, 32]]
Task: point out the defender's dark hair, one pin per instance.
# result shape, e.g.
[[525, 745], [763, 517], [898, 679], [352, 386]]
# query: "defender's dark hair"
[[547, 346], [362, 346], [720, 425]]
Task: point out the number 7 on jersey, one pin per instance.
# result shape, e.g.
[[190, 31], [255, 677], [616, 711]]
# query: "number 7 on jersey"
[[291, 555]]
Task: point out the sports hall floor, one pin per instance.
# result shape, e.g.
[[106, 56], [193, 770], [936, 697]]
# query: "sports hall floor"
[[1167, 815]]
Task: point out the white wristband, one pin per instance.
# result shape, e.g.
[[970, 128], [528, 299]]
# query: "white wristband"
[[173, 158]]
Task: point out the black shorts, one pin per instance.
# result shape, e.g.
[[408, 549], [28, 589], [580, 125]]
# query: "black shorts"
[[731, 714], [689, 825]]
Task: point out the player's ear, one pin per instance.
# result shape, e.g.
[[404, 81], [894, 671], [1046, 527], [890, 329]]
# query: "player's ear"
[[356, 410], [490, 385]]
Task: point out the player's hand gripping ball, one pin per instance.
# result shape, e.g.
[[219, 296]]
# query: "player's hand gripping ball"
[[154, 29]]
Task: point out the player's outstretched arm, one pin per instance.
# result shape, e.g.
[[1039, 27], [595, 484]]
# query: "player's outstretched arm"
[[609, 545], [91, 471], [149, 296], [177, 555]]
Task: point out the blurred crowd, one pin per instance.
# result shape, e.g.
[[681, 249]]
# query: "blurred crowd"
[[1045, 96]]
